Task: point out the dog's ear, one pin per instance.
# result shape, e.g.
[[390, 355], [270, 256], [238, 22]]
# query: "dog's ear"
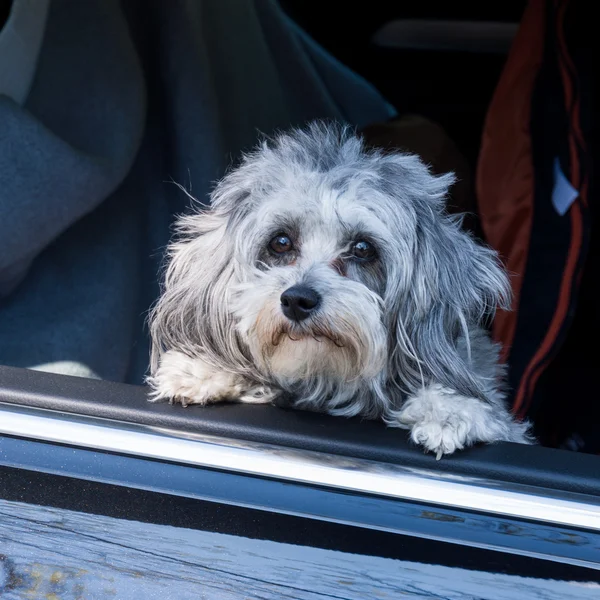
[[191, 314], [197, 265], [455, 283]]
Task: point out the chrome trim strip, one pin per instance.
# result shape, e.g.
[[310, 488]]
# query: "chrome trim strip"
[[313, 468]]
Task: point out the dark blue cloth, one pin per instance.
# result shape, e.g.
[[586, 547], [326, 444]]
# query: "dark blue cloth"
[[127, 98]]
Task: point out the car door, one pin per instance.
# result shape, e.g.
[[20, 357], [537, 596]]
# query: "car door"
[[103, 495]]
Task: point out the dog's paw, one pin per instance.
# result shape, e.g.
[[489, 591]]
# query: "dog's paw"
[[185, 380], [443, 421], [440, 438]]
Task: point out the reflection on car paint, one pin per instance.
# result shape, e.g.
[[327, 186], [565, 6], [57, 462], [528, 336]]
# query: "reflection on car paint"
[[55, 554]]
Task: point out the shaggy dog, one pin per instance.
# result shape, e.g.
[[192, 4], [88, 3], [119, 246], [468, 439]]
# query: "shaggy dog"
[[332, 275]]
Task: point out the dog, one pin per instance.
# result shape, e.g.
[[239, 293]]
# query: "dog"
[[330, 275]]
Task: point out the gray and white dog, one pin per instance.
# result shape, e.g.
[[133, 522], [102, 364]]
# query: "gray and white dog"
[[332, 275]]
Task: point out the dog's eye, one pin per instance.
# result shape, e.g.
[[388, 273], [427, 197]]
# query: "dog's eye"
[[363, 250], [281, 244]]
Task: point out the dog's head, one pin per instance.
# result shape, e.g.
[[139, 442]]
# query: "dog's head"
[[320, 264]]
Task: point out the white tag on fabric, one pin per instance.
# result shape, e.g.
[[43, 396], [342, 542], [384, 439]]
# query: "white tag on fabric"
[[563, 194]]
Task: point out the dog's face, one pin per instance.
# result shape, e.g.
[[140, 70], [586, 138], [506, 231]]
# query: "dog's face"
[[314, 261], [322, 265]]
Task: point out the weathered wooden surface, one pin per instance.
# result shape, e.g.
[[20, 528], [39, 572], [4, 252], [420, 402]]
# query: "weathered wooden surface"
[[53, 554]]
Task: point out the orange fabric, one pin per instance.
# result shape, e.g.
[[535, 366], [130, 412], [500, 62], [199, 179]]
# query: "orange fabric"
[[537, 365], [539, 362], [505, 176]]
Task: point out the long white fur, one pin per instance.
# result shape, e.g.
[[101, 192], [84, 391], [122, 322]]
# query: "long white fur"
[[398, 339]]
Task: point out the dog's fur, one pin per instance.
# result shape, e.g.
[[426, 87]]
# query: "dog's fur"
[[397, 338]]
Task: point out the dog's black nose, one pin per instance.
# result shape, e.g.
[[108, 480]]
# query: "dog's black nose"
[[298, 302]]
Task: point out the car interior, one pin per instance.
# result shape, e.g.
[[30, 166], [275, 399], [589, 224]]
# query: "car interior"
[[438, 64]]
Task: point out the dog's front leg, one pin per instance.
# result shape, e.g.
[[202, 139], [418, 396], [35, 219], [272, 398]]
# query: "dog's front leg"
[[443, 421], [180, 378]]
